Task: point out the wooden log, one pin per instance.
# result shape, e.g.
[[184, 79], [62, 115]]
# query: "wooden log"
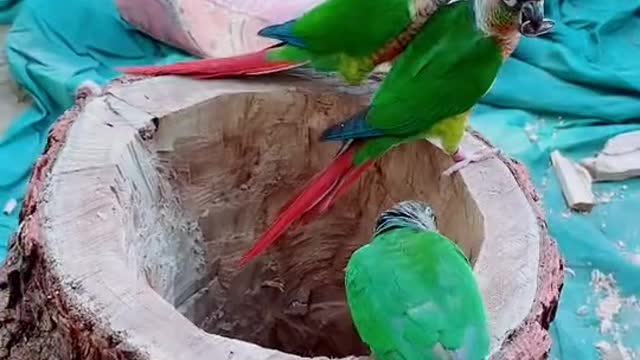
[[210, 28], [147, 195]]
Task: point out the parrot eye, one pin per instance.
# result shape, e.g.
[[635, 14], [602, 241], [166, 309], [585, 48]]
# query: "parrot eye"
[[510, 3]]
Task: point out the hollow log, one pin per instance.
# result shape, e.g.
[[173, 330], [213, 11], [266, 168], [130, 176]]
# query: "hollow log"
[[148, 194]]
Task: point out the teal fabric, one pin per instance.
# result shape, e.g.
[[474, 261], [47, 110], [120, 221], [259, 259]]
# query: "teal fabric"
[[575, 88], [8, 10], [51, 48]]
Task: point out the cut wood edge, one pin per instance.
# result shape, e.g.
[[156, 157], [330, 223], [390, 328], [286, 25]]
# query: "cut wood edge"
[[31, 282], [575, 182], [531, 340]]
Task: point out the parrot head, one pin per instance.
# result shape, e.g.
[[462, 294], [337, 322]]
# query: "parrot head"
[[406, 214], [532, 20]]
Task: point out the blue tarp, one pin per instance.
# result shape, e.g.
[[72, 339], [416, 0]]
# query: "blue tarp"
[[8, 10], [574, 89]]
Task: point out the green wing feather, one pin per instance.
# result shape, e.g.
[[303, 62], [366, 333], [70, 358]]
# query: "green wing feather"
[[445, 70], [357, 28], [411, 291], [343, 35]]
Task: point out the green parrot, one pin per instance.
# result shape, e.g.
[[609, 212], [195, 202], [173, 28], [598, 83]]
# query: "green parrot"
[[351, 37], [450, 64], [412, 292]]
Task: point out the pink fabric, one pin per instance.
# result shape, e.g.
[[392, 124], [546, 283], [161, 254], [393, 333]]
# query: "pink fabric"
[[155, 19], [211, 28]]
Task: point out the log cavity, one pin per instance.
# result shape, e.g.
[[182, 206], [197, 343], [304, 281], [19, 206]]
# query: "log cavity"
[[231, 163]]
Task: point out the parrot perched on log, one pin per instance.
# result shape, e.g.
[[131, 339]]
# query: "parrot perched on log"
[[412, 292], [450, 64], [351, 37]]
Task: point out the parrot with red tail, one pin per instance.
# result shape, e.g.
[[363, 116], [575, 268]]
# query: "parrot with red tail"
[[351, 37], [446, 69]]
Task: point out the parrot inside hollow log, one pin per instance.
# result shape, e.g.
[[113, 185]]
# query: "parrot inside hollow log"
[[351, 37], [412, 292], [451, 63]]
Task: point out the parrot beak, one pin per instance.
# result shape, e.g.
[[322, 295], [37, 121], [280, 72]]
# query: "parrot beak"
[[532, 21]]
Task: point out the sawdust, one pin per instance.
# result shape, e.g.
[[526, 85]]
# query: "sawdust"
[[532, 132], [614, 352], [583, 310], [634, 258], [605, 197], [609, 305]]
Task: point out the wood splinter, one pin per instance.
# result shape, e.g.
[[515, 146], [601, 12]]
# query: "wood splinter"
[[575, 182]]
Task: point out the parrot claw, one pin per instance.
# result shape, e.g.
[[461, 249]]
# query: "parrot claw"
[[463, 160], [458, 156]]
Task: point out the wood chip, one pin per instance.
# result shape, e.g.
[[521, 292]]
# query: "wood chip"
[[619, 160], [575, 182], [10, 206]]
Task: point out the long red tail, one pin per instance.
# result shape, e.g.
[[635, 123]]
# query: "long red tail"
[[316, 197], [241, 65]]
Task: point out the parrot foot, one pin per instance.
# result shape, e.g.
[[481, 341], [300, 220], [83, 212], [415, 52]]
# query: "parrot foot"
[[459, 156], [463, 160]]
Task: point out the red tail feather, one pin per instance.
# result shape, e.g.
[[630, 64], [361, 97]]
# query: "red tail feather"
[[248, 64], [347, 180], [319, 194]]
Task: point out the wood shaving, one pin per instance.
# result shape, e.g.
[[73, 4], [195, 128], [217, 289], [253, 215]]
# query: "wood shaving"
[[583, 310], [609, 305], [10, 206], [634, 258]]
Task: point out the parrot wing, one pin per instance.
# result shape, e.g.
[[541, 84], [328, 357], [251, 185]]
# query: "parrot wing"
[[356, 28], [448, 67], [412, 293]]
